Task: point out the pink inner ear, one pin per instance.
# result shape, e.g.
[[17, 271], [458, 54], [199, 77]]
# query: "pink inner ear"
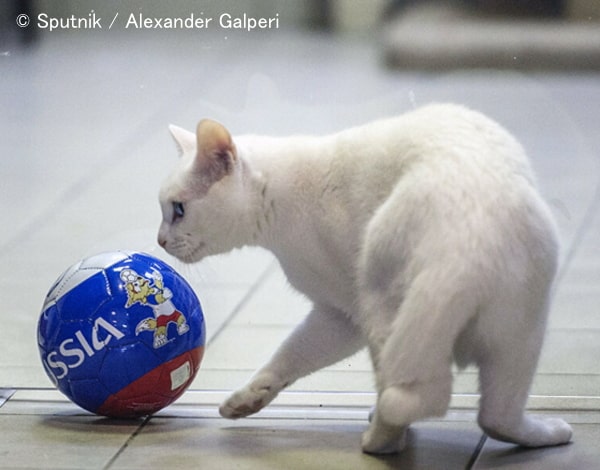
[[212, 139], [216, 152]]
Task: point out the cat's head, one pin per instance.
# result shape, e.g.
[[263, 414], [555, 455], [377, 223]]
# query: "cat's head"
[[202, 200]]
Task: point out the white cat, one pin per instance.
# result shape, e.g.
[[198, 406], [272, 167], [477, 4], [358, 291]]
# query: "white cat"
[[422, 237]]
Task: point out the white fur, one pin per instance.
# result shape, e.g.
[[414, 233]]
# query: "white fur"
[[421, 236]]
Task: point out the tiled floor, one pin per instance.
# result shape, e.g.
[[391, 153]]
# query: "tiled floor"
[[84, 147]]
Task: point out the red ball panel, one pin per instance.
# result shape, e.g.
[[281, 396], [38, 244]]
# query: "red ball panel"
[[155, 390]]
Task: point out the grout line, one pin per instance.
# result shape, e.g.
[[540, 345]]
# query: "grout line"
[[5, 395], [251, 291], [477, 452], [127, 443], [591, 212], [334, 399]]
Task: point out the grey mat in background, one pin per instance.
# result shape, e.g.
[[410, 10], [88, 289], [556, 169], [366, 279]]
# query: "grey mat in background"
[[441, 36]]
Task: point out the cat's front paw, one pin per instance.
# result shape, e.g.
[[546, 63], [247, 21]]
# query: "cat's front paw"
[[252, 398]]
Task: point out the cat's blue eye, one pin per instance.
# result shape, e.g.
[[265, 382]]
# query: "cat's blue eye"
[[178, 210]]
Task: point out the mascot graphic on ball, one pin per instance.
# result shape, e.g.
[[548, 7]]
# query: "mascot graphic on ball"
[[141, 290]]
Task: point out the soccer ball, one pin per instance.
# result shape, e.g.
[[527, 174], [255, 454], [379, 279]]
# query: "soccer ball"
[[121, 334]]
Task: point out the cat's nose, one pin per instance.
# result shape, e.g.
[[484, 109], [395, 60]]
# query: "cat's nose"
[[162, 241]]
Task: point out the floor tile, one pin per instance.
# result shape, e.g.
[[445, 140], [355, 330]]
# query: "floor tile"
[[576, 306], [572, 351], [60, 442], [582, 453], [244, 348], [274, 302], [265, 444]]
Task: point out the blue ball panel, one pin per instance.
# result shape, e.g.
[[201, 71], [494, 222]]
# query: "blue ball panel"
[[84, 300]]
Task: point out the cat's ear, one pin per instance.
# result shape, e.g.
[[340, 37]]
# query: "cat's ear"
[[216, 153], [185, 140]]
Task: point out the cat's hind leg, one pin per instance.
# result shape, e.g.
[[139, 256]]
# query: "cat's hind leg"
[[506, 371], [413, 366], [325, 337]]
